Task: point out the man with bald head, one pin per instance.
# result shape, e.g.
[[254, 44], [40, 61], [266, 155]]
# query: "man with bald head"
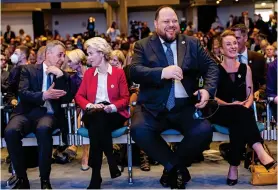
[[42, 90], [167, 66]]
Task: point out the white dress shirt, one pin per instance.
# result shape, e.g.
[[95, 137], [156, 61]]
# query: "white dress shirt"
[[44, 88], [269, 59], [179, 89], [244, 57], [102, 93]]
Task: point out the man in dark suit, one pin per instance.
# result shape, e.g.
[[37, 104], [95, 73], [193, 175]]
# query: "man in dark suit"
[[42, 90], [167, 66], [9, 35], [255, 60]]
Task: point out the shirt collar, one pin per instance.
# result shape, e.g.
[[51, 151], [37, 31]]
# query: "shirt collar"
[[162, 41], [44, 67], [109, 70], [244, 54]]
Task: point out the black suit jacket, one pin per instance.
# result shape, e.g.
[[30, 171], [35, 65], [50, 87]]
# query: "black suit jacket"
[[257, 64], [30, 93], [7, 40], [4, 81], [13, 82], [149, 59]]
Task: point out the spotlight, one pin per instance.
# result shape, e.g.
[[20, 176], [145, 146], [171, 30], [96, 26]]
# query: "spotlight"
[[263, 4], [217, 2]]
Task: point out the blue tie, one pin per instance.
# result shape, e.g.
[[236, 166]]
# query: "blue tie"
[[170, 58], [240, 58], [49, 81]]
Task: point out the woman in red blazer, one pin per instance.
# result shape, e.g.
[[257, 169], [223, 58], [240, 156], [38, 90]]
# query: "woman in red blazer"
[[104, 95]]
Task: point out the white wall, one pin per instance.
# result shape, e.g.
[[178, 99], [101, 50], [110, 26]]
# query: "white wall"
[[17, 21], [73, 23], [146, 16], [224, 12]]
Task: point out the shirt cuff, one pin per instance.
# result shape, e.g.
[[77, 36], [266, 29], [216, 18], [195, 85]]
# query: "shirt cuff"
[[162, 74], [114, 109]]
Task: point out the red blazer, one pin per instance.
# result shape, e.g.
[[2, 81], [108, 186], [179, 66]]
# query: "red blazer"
[[117, 90]]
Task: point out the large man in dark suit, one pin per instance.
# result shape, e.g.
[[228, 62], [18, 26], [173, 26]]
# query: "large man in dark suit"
[[42, 89], [167, 66], [255, 60]]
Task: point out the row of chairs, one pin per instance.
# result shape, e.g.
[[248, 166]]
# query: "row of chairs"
[[79, 136]]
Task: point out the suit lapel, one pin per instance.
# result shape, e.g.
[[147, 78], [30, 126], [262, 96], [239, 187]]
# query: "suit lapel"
[[156, 45], [181, 49], [40, 75]]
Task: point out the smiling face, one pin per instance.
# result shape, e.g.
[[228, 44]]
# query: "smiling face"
[[229, 47], [241, 40], [167, 25]]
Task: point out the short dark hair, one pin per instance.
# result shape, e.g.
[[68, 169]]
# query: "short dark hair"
[[240, 27], [24, 49], [162, 7]]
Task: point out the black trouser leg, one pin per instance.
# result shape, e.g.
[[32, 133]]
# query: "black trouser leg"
[[13, 136], [145, 131], [45, 143]]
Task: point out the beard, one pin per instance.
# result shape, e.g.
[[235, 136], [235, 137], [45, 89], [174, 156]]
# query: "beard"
[[169, 39]]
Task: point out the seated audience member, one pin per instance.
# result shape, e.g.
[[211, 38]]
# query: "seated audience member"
[[77, 62], [263, 45], [19, 59], [4, 87], [254, 60], [215, 50], [235, 97], [271, 86], [41, 55], [269, 54], [117, 59], [104, 95], [32, 57], [167, 96], [4, 75], [38, 111]]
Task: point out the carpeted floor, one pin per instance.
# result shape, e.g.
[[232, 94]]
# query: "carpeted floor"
[[210, 174]]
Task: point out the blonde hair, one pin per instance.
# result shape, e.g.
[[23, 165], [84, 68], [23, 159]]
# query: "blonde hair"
[[77, 56], [119, 54], [100, 45]]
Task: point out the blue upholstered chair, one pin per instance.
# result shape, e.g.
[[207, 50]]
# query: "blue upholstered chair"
[[120, 136]]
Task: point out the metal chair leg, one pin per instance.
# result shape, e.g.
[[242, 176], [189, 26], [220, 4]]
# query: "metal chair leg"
[[129, 158]]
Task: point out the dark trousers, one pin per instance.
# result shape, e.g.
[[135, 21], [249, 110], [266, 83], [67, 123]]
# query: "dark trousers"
[[100, 126], [146, 130], [242, 128], [17, 128]]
